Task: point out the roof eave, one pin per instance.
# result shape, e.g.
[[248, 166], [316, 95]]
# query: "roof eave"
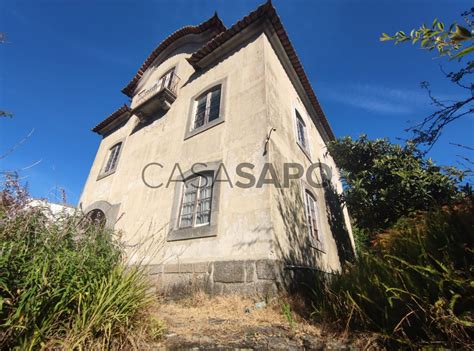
[[120, 115], [264, 13]]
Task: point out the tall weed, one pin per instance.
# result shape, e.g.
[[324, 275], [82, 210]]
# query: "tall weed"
[[415, 286], [63, 281]]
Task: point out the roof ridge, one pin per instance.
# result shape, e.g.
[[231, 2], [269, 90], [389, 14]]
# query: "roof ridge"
[[211, 43]]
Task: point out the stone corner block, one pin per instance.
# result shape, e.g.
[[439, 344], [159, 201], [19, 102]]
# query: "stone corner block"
[[267, 269], [250, 271], [229, 271], [171, 268], [200, 267], [154, 269], [186, 268]]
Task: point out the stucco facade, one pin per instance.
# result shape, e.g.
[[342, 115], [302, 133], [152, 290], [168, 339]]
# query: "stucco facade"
[[256, 235]]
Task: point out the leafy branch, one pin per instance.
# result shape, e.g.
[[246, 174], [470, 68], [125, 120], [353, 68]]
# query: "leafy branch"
[[455, 42], [5, 114]]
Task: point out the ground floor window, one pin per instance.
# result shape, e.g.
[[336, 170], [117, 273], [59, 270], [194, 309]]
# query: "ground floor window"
[[97, 216], [312, 220], [196, 205]]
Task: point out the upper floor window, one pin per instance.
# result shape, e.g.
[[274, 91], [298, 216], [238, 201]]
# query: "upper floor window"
[[196, 205], [312, 220], [302, 137], [166, 81], [112, 160], [207, 107]]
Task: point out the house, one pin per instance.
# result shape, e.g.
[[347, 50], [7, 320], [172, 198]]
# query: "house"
[[52, 210], [211, 171]]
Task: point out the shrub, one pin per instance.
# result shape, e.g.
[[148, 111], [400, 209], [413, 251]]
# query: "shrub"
[[63, 282], [385, 181], [415, 286]]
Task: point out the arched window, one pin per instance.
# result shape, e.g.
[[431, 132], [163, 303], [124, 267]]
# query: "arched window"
[[207, 107], [97, 216], [112, 159], [196, 203]]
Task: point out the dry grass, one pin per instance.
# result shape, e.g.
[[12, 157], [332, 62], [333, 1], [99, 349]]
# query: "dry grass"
[[232, 321]]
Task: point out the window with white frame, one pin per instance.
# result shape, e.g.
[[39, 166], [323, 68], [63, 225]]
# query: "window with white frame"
[[312, 221], [196, 203], [112, 160], [207, 107], [302, 137]]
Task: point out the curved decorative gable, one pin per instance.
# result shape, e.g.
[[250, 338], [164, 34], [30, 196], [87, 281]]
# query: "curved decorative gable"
[[214, 24]]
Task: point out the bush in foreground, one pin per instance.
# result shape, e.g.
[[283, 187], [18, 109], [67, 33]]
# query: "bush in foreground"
[[416, 285], [63, 282]]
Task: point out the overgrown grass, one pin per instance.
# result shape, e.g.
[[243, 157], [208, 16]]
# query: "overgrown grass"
[[414, 287], [63, 282]]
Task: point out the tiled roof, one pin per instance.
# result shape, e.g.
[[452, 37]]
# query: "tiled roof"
[[213, 23], [266, 11], [111, 118]]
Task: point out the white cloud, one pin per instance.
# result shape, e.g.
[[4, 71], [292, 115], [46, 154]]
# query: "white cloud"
[[378, 98]]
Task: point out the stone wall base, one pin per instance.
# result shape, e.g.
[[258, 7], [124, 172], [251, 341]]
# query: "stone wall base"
[[249, 278]]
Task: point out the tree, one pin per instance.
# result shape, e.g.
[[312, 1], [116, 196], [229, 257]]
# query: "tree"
[[456, 43], [5, 114], [385, 181]]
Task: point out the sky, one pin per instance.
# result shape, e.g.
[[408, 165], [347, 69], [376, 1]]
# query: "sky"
[[65, 63]]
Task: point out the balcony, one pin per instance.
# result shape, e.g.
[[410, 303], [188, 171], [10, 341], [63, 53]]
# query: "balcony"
[[157, 98]]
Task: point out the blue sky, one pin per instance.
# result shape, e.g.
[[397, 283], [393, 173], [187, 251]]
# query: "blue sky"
[[65, 63]]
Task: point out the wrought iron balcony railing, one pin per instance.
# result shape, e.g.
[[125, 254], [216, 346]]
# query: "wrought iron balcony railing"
[[169, 82], [158, 97]]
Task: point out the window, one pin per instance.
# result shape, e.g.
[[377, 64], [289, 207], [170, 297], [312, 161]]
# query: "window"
[[207, 107], [166, 81], [312, 220], [97, 217], [195, 210], [196, 203], [302, 138], [113, 158]]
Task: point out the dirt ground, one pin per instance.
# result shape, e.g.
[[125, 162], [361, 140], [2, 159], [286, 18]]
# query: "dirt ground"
[[201, 322]]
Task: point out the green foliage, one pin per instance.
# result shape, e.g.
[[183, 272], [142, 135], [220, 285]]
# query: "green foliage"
[[454, 41], [385, 181], [288, 314], [157, 328], [5, 114], [416, 287], [361, 239], [63, 282]]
